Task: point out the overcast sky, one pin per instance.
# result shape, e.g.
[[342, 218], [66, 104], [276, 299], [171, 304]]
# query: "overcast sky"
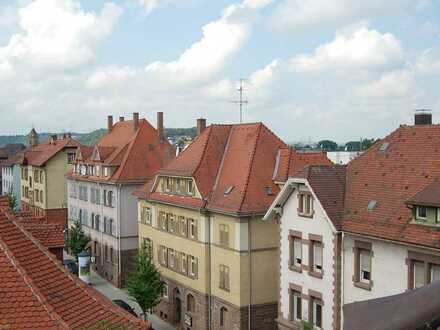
[[338, 69]]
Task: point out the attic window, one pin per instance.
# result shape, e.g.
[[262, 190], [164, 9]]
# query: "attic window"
[[372, 205], [229, 190], [384, 147], [268, 190]]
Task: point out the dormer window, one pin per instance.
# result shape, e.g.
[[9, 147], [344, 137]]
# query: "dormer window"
[[190, 187], [421, 213], [305, 204], [169, 185]]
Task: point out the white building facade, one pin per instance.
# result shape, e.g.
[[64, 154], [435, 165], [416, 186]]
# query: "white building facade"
[[108, 213]]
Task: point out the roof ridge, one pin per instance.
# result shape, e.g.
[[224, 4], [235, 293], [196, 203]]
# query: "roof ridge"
[[28, 280], [254, 149]]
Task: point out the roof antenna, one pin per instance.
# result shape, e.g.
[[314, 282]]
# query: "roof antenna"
[[241, 101]]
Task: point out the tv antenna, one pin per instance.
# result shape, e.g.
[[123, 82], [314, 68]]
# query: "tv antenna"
[[241, 101]]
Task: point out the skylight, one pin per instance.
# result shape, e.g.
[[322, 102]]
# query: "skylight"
[[229, 190], [372, 205], [384, 147], [268, 190]]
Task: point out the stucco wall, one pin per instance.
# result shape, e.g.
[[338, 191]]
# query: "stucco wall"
[[318, 225], [389, 271]]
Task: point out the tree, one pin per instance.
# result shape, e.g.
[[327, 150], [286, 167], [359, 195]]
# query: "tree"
[[145, 286], [367, 143], [77, 239], [12, 201], [327, 145]]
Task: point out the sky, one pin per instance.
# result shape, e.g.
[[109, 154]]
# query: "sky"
[[313, 69]]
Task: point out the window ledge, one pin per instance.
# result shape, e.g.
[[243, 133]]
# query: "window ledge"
[[315, 274], [295, 268], [362, 285], [306, 215]]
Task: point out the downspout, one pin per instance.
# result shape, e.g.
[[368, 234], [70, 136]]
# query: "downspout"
[[119, 236], [209, 275], [250, 271], [342, 278]]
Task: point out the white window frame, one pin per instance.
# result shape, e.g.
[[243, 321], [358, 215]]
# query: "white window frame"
[[296, 298], [317, 246], [297, 251], [422, 269], [364, 254], [315, 303], [418, 217]]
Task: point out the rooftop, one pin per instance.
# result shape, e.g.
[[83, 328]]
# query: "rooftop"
[[37, 292]]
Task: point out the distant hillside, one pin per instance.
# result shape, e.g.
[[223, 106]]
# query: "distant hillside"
[[92, 137]]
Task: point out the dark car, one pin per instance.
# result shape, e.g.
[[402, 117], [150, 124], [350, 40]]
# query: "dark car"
[[124, 305], [71, 266]]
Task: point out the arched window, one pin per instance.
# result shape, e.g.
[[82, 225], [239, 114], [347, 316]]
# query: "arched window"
[[190, 303], [223, 315]]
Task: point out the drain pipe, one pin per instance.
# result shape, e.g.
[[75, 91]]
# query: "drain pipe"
[[250, 271], [210, 276], [119, 187]]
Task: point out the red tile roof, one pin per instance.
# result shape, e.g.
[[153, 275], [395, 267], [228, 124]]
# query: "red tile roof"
[[43, 152], [328, 184], [409, 164], [137, 154], [241, 158], [429, 196], [37, 292], [291, 161]]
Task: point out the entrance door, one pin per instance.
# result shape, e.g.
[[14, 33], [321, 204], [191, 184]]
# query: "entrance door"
[[178, 310]]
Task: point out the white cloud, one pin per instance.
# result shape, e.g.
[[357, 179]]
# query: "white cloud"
[[108, 76], [302, 14], [429, 61], [221, 39], [361, 48], [390, 85], [150, 5], [58, 33]]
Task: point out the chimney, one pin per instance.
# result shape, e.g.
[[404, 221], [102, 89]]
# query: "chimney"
[[121, 118], [423, 117], [64, 136], [136, 120], [201, 125], [160, 130], [53, 139], [109, 123], [69, 135]]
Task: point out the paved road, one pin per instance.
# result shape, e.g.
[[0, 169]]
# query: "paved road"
[[112, 292]]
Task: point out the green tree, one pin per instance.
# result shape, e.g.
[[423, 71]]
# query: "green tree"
[[145, 286], [12, 201], [77, 239], [367, 143], [306, 325], [327, 145]]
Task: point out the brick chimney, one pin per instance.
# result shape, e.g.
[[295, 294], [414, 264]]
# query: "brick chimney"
[[121, 118], [53, 139], [201, 125], [136, 121], [160, 129], [109, 123], [423, 117]]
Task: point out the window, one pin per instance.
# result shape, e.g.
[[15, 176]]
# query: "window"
[[419, 274], [317, 257], [297, 252], [41, 196], [421, 213], [435, 273], [224, 277], [110, 199], [37, 195], [163, 257], [305, 204], [193, 266], [365, 266], [295, 305], [163, 224], [106, 256], [97, 224], [171, 258], [317, 313], [184, 263], [111, 254], [190, 187], [190, 303], [169, 184], [224, 235], [165, 291], [148, 246], [223, 316], [171, 223], [192, 228], [183, 226], [147, 216]]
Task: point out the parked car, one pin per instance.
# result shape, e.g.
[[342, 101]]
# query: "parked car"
[[124, 305], [71, 266]]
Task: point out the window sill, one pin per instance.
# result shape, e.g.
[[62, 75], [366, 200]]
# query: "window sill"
[[295, 268], [306, 215], [224, 289], [362, 285], [315, 274]]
